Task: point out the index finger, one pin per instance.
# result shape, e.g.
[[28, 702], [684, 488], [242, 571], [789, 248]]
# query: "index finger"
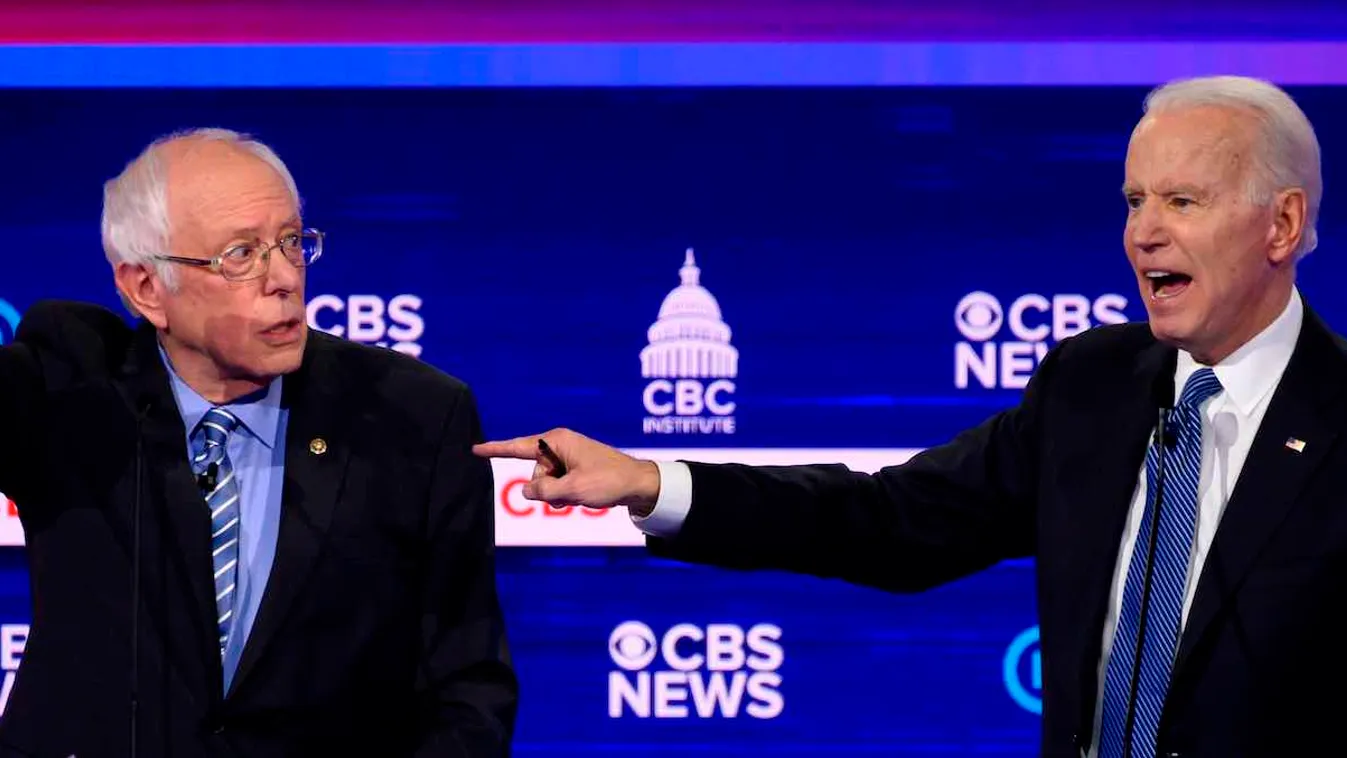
[[523, 448]]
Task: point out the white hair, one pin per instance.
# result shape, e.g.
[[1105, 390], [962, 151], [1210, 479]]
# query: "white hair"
[[135, 223], [1287, 153]]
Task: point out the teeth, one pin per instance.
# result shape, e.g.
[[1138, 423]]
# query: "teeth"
[[1157, 274]]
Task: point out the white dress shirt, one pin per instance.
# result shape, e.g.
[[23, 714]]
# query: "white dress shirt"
[[1230, 421]]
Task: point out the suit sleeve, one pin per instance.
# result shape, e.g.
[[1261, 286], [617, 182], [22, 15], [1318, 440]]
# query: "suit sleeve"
[[948, 512], [467, 686], [20, 397]]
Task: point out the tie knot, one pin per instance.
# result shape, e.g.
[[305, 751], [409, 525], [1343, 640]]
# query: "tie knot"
[[217, 425], [1200, 386]]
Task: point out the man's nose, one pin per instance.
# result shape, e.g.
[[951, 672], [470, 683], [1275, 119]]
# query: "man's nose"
[[282, 275], [1146, 229]]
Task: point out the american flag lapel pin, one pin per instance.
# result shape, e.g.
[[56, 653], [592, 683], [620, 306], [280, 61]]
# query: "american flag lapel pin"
[[1295, 444]]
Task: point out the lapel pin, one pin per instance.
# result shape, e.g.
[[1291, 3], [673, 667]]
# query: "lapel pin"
[[1295, 444], [319, 446]]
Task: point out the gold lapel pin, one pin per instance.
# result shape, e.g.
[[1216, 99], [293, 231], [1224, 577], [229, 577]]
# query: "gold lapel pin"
[[318, 446], [1295, 444]]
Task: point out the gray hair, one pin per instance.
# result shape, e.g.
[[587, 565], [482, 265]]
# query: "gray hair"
[[1287, 153], [135, 224]]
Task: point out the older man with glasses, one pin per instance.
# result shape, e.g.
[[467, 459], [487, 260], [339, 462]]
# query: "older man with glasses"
[[246, 538]]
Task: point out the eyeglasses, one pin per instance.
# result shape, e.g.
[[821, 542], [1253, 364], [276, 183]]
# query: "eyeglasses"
[[250, 261]]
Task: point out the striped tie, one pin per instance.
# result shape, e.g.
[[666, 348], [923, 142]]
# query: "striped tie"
[[222, 497], [1169, 580]]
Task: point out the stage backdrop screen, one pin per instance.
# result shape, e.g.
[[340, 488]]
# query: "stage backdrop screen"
[[872, 269]]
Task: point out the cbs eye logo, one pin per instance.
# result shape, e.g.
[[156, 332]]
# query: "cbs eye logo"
[[1022, 671], [632, 645], [9, 322], [978, 316]]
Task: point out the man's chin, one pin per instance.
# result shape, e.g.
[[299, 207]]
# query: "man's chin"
[[1168, 331], [282, 360], [289, 363]]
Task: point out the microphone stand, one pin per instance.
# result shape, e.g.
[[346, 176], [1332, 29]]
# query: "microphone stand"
[[1159, 442]]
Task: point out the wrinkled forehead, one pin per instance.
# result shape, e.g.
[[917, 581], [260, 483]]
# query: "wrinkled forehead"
[[211, 183], [1209, 147]]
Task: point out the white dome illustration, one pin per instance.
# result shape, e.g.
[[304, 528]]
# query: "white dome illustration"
[[689, 340]]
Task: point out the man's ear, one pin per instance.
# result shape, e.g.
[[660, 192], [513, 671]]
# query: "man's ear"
[[1288, 225], [142, 291]]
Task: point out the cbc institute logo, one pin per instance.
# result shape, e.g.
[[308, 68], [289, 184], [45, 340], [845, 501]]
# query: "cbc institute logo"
[[691, 362], [1034, 322]]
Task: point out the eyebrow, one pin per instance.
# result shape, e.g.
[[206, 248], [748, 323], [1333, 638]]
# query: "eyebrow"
[[1172, 189], [252, 231], [1184, 189]]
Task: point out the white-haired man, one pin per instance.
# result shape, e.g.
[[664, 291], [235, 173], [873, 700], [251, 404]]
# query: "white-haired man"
[[246, 539], [1202, 641]]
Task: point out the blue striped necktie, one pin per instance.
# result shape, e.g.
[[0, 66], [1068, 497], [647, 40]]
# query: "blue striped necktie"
[[1169, 580], [222, 497]]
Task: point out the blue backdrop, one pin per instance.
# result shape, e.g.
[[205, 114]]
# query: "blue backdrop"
[[524, 240]]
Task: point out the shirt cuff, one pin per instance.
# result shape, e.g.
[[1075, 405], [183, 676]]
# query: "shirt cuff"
[[672, 505]]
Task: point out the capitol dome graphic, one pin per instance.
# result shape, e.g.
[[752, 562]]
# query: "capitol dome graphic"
[[689, 340]]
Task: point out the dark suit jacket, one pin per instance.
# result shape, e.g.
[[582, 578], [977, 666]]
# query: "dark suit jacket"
[[379, 632], [1264, 652]]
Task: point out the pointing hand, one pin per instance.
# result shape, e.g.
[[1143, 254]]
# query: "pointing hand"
[[595, 475]]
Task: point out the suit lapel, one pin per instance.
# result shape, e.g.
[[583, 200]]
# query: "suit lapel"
[[1118, 447], [181, 509], [1307, 406], [317, 448]]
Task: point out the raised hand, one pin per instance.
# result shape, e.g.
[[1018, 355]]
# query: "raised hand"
[[595, 476]]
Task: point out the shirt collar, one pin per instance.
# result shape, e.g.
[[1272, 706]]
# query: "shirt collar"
[[1249, 373], [259, 413]]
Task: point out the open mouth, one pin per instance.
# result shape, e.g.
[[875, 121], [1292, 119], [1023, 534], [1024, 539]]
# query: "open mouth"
[[282, 328], [1167, 284]]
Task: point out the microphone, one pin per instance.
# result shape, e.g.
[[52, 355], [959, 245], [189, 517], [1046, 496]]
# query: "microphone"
[[1162, 438], [207, 480], [145, 404]]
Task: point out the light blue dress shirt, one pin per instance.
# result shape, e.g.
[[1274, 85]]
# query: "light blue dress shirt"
[[257, 451]]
